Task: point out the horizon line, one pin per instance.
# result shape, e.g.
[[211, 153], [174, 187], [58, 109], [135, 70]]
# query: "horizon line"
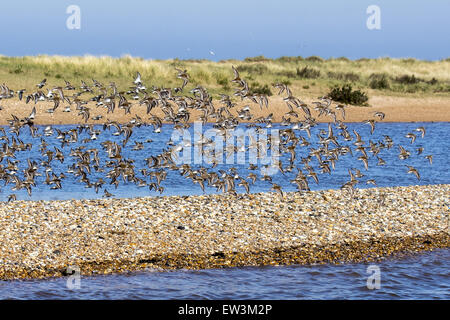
[[258, 58]]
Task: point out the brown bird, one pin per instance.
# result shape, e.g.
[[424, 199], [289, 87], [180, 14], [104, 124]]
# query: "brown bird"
[[422, 130], [244, 184], [413, 170], [277, 188], [379, 114], [107, 194], [372, 125], [236, 79], [411, 136]]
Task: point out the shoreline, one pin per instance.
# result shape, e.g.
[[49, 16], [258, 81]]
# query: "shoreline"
[[349, 252], [40, 239], [396, 109]]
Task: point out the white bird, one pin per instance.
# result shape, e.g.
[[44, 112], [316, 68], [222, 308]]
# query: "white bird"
[[137, 80], [32, 114]]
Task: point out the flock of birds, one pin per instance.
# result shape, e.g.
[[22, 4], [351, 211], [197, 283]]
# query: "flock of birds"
[[114, 167]]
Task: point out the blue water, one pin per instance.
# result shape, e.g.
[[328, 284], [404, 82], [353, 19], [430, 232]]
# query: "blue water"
[[421, 276], [394, 173]]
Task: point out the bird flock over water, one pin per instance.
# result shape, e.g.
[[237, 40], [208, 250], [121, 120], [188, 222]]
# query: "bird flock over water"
[[176, 105]]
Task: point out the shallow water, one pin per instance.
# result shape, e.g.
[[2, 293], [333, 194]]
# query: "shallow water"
[[419, 276]]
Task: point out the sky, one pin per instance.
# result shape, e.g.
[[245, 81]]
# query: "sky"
[[217, 30]]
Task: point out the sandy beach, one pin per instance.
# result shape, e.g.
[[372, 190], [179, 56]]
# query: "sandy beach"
[[397, 109], [41, 239]]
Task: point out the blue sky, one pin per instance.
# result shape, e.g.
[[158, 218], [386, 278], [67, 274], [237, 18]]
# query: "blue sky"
[[230, 29]]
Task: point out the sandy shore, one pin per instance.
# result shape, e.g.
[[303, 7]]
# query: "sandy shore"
[[397, 109], [41, 239]]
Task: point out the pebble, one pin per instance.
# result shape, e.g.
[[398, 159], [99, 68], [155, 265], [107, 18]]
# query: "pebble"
[[40, 239]]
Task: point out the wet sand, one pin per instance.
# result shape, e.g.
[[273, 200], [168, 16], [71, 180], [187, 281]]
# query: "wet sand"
[[41, 239], [397, 109]]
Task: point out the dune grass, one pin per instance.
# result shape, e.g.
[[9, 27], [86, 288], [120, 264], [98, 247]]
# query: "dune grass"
[[312, 76]]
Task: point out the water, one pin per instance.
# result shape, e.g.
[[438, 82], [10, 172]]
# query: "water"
[[421, 276], [394, 173]]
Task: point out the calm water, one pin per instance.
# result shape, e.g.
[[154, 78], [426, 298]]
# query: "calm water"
[[394, 173], [422, 276]]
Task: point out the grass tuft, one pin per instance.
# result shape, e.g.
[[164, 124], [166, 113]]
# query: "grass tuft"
[[379, 81], [308, 73]]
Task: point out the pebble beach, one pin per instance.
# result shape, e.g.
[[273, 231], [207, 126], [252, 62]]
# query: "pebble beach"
[[40, 239]]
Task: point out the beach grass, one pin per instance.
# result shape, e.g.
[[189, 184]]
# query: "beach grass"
[[307, 77]]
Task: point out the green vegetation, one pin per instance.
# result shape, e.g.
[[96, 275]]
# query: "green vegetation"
[[346, 76], [310, 76], [308, 73], [346, 94], [257, 88], [379, 81]]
